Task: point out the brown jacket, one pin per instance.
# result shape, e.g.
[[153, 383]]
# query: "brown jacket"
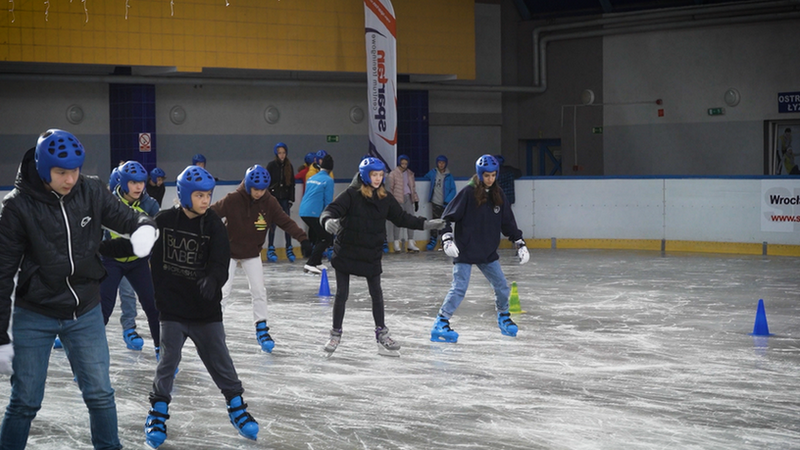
[[248, 221]]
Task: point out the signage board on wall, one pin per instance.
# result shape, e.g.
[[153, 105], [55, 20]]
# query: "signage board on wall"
[[780, 205], [789, 102]]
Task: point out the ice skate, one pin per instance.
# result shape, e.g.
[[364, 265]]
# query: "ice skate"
[[57, 343], [290, 253], [431, 244], [411, 246], [333, 342], [155, 426], [385, 247], [244, 423], [442, 332], [398, 247], [271, 256], [263, 337], [507, 326], [132, 339], [314, 270], [386, 345]]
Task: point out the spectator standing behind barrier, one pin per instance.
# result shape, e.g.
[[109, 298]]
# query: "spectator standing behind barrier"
[[358, 219], [505, 178], [315, 167], [248, 211], [155, 185], [50, 231], [318, 195], [282, 188], [404, 190], [481, 213], [442, 191]]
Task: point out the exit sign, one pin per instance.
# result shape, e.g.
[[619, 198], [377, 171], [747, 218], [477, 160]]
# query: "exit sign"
[[597, 130], [332, 138], [716, 111]]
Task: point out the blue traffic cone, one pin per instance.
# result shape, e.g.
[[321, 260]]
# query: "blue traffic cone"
[[761, 328], [324, 289]]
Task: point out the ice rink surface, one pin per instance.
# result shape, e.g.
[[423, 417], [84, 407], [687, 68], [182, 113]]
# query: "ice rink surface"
[[617, 349]]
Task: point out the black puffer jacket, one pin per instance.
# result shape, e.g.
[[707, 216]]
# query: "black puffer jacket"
[[279, 187], [53, 240], [358, 248]]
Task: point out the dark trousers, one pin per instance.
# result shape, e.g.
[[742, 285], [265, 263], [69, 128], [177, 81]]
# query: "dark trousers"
[[343, 291], [319, 237], [436, 212], [209, 340], [284, 202], [138, 274]]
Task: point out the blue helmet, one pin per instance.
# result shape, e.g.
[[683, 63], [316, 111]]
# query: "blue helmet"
[[319, 155], [279, 145], [58, 148], [441, 158], [113, 180], [486, 163], [256, 177], [131, 171], [193, 178], [402, 157], [368, 165], [198, 158], [157, 173], [309, 159]]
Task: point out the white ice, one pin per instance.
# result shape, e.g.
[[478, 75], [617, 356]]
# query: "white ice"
[[617, 349]]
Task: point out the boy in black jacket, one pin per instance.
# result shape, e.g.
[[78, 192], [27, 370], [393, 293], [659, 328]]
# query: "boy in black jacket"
[[189, 266], [50, 232]]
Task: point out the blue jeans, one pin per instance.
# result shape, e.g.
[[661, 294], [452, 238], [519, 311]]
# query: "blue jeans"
[[127, 304], [458, 289], [86, 347]]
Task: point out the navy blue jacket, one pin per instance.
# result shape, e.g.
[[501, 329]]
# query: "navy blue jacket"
[[478, 228]]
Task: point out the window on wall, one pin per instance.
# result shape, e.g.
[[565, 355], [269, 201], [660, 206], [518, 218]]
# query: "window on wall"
[[412, 129], [782, 147]]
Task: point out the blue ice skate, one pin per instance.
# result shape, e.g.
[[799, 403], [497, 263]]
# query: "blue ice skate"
[[263, 337], [385, 246], [155, 426], [57, 343], [290, 253], [244, 423], [442, 332], [271, 256], [132, 339], [507, 326], [431, 244]]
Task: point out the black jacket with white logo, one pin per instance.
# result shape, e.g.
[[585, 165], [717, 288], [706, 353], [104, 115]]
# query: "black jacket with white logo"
[[53, 242]]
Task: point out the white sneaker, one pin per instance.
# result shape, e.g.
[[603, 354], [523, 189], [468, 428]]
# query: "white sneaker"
[[398, 247], [411, 247], [313, 269]]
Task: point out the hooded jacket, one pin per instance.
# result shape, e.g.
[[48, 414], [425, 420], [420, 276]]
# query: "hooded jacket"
[[248, 221], [53, 240]]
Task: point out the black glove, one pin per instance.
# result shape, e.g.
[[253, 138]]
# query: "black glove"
[[416, 206], [306, 247], [208, 288], [290, 205]]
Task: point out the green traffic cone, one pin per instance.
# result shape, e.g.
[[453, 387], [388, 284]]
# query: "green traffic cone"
[[513, 301]]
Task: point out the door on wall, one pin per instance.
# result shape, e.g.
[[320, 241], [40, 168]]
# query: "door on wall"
[[543, 157], [781, 144], [412, 129]]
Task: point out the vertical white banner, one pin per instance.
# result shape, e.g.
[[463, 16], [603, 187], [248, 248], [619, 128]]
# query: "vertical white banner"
[[780, 205], [381, 39]]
